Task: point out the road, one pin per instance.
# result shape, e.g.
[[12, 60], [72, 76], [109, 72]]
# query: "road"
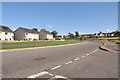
[[83, 60]]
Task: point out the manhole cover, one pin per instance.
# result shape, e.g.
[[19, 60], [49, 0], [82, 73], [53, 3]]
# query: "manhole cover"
[[40, 58]]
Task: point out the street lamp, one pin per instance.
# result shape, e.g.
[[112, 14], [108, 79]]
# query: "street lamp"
[[106, 33]]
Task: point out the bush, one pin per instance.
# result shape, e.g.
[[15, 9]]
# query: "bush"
[[117, 42]]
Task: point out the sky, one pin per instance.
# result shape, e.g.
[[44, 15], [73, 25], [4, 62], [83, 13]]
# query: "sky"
[[63, 17]]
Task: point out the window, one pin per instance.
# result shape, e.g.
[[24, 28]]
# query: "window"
[[26, 33], [6, 39], [0, 38], [6, 33], [5, 28], [10, 38]]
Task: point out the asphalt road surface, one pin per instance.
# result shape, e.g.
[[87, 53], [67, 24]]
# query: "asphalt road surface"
[[83, 60]]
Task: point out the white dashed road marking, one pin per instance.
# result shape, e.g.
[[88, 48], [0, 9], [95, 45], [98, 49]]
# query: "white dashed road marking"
[[87, 54], [69, 62], [57, 76], [56, 67], [82, 56], [76, 59]]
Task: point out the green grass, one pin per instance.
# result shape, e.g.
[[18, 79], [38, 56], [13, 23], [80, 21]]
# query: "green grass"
[[32, 42], [113, 40], [38, 46]]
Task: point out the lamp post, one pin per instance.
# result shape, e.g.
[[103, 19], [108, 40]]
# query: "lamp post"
[[106, 33]]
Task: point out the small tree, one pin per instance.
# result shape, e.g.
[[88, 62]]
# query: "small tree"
[[71, 35], [54, 34], [116, 33], [35, 29], [76, 34]]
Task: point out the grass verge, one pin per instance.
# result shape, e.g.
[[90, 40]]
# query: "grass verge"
[[38, 46], [33, 42]]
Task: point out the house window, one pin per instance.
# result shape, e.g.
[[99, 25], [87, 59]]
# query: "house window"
[[6, 33], [0, 38], [6, 39], [10, 38], [26, 33]]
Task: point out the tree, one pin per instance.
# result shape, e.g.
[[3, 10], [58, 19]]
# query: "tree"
[[54, 34], [71, 35], [116, 33], [35, 29], [76, 34], [100, 32]]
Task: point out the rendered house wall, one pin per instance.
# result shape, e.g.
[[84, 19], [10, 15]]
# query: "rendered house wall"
[[19, 35], [8, 36]]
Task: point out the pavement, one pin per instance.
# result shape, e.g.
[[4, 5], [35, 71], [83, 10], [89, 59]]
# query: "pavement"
[[36, 44], [112, 47], [83, 60]]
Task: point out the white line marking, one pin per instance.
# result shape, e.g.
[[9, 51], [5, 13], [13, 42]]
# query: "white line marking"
[[76, 59], [50, 74], [56, 67], [59, 76], [94, 51], [38, 74], [82, 56], [69, 62], [87, 54]]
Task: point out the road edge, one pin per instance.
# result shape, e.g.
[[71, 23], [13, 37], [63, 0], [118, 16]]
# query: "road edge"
[[107, 49]]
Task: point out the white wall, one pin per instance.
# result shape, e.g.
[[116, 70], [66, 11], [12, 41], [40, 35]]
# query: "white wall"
[[49, 36], [21, 35], [43, 36], [31, 36], [7, 36]]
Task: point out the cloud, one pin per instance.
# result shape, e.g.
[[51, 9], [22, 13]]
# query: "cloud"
[[107, 30], [49, 26]]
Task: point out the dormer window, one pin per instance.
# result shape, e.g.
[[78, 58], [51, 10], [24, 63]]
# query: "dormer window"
[[6, 33]]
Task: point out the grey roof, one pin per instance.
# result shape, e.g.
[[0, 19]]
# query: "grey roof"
[[47, 32], [27, 30], [5, 29]]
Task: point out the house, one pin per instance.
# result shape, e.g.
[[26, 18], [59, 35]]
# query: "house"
[[95, 34], [101, 34], [59, 37], [26, 34], [45, 35], [6, 33]]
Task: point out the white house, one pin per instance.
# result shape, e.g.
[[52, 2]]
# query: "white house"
[[45, 35], [26, 34], [6, 33]]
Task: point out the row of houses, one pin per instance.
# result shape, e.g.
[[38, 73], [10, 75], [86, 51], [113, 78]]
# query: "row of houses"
[[104, 34], [98, 35], [24, 34]]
